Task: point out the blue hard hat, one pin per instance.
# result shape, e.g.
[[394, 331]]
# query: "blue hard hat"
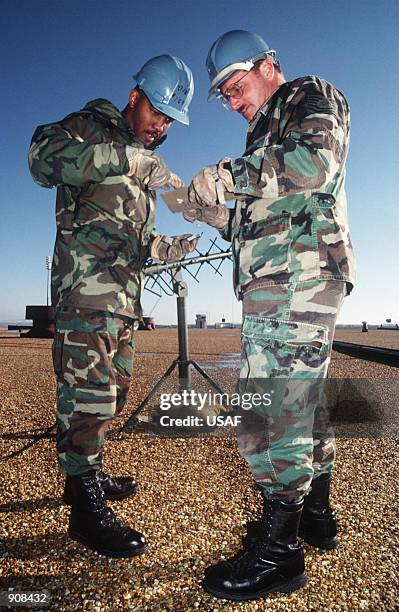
[[234, 50], [168, 84]]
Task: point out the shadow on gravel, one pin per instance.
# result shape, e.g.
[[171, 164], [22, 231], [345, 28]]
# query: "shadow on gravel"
[[29, 505], [38, 582], [47, 546], [23, 435]]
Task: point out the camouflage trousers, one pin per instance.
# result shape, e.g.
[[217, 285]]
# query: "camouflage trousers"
[[285, 435], [93, 359]]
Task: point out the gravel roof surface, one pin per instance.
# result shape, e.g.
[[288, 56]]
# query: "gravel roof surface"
[[388, 338], [195, 494]]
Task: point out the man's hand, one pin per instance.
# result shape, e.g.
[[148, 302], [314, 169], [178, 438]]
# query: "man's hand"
[[173, 248], [216, 216], [151, 169], [211, 186]]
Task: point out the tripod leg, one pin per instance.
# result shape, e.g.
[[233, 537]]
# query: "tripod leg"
[[206, 376], [131, 420]]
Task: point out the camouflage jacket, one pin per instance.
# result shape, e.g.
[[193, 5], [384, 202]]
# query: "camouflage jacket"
[[104, 218], [290, 223]]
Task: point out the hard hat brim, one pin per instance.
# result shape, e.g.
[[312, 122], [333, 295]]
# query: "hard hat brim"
[[225, 74], [180, 116], [166, 109]]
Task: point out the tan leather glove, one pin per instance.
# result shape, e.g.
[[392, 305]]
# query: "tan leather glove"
[[151, 169], [216, 216], [211, 186], [173, 248]]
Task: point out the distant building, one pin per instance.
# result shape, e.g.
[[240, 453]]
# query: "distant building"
[[389, 326], [43, 325], [200, 321], [223, 324]]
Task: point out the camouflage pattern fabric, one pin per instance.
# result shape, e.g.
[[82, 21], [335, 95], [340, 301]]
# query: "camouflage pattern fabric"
[[290, 223], [286, 346], [93, 359], [105, 219]]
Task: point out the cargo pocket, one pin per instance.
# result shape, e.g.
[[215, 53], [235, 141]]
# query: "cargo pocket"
[[281, 359], [70, 357], [98, 358], [264, 248], [264, 350], [277, 348], [328, 234], [57, 350], [132, 350], [123, 359]]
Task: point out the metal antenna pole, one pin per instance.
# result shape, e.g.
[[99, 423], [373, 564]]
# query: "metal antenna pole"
[[181, 290], [48, 268]]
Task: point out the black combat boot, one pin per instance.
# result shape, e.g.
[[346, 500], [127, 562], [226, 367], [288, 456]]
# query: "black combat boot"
[[118, 487], [273, 563], [95, 525], [318, 525]]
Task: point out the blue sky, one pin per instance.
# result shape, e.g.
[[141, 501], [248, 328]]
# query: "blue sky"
[[58, 55]]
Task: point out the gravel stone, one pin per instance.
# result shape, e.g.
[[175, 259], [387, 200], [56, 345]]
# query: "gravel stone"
[[195, 494]]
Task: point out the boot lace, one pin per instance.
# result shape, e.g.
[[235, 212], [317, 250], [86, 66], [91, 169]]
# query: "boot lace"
[[245, 558], [110, 520], [96, 493]]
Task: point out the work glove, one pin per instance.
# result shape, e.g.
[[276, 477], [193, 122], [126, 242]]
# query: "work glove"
[[173, 248], [212, 185], [216, 216], [151, 169]]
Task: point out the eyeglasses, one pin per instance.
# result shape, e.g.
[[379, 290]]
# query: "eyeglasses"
[[234, 91]]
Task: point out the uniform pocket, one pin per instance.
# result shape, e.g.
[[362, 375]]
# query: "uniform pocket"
[[328, 233], [81, 358], [99, 355], [264, 248], [70, 356], [123, 358], [57, 352], [279, 348]]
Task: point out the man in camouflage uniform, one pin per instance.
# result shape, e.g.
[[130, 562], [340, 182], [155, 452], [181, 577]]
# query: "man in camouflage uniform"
[[106, 175], [293, 264]]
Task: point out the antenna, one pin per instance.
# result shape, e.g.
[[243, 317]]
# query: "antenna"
[[168, 279], [48, 268]]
